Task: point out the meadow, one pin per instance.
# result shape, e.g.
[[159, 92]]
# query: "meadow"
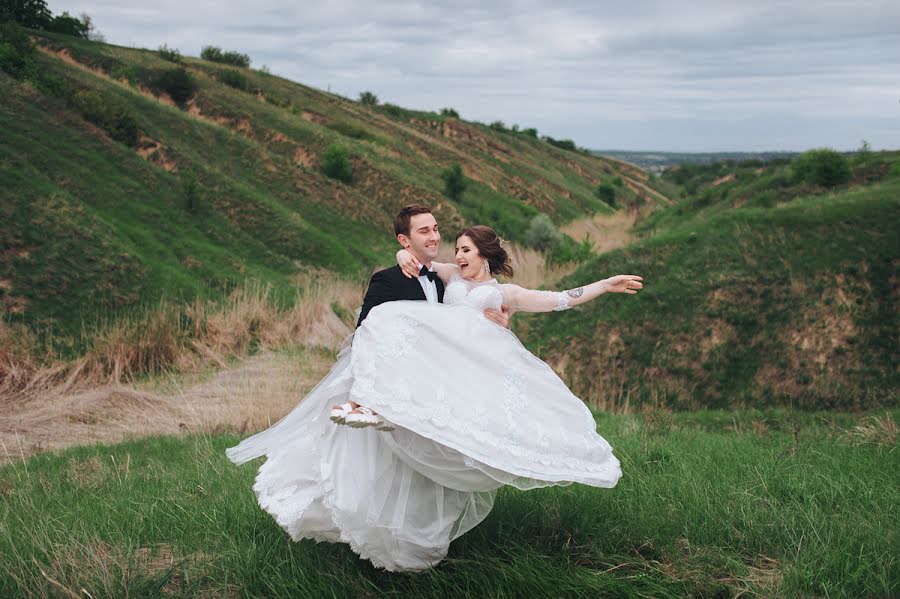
[[711, 504]]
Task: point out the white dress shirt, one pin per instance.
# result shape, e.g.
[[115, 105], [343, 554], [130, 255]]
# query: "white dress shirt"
[[430, 288]]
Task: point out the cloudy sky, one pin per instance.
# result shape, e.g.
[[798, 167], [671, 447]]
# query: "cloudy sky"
[[641, 75]]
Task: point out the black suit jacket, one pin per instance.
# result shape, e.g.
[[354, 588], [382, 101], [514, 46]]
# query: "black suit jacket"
[[390, 285]]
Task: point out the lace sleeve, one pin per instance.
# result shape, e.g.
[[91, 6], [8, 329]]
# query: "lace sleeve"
[[520, 299]]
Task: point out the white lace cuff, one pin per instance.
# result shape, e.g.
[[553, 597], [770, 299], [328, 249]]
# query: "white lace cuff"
[[562, 301]]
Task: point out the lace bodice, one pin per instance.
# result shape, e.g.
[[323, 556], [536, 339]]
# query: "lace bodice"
[[491, 294], [480, 296]]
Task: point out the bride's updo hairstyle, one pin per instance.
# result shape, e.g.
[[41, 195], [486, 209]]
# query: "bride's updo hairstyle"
[[488, 243]]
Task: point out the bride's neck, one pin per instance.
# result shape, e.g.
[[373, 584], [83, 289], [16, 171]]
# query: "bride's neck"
[[483, 278]]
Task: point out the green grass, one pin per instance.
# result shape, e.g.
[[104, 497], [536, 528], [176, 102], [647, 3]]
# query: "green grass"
[[711, 504], [744, 307], [89, 225]]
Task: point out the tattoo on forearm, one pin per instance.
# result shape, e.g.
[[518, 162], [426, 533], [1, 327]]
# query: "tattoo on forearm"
[[576, 292]]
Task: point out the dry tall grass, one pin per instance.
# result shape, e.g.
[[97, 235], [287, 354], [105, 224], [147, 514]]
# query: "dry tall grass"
[[106, 395], [607, 231]]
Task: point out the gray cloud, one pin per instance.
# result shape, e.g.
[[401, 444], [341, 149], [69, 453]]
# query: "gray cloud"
[[774, 74]]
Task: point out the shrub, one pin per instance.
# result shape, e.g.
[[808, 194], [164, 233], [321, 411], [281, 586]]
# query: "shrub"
[[607, 193], [822, 166], [215, 54], [449, 112], [565, 144], [234, 79], [368, 99], [498, 126], [542, 234], [530, 132], [170, 54], [191, 192], [107, 113], [349, 130], [178, 84], [336, 163], [395, 111], [17, 51], [211, 53], [454, 182]]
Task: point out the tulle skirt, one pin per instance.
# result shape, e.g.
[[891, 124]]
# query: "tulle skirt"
[[473, 410]]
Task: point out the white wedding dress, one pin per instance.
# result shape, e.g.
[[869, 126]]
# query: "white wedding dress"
[[473, 410]]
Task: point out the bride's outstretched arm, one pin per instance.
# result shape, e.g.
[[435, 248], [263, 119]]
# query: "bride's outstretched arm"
[[533, 300], [411, 266]]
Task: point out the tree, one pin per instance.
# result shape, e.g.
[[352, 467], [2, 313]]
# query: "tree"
[[69, 25], [367, 98], [454, 182], [449, 112], [28, 13], [336, 163], [822, 166]]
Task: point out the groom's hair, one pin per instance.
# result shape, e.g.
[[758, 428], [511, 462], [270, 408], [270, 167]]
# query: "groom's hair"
[[401, 221]]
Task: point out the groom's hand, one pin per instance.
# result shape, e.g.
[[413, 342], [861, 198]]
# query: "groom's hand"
[[501, 317]]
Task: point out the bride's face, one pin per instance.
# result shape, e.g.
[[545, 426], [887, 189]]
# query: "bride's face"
[[470, 262]]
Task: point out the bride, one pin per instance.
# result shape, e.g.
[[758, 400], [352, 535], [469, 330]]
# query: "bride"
[[468, 410]]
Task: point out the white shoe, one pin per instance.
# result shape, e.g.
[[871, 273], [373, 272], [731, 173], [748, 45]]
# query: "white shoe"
[[339, 414], [362, 417]]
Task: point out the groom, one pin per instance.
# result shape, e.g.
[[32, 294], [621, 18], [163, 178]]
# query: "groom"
[[417, 231]]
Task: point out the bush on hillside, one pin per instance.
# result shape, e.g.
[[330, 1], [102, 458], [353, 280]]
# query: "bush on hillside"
[[530, 132], [190, 191], [234, 79], [398, 112], [498, 126], [454, 182], [368, 99], [542, 234], [349, 130], [449, 112], [822, 166], [17, 51], [109, 114], [170, 54], [215, 54], [564, 144], [336, 163], [178, 84], [607, 193]]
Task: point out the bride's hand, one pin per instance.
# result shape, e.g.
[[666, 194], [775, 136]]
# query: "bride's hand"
[[624, 284], [408, 264]]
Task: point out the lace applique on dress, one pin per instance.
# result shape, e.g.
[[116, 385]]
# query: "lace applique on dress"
[[401, 340], [562, 299]]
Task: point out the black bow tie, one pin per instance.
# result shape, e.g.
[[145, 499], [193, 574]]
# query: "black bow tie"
[[424, 272]]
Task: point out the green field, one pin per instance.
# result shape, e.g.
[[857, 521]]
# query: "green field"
[[711, 504]]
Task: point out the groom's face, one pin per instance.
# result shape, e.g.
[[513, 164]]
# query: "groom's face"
[[424, 238]]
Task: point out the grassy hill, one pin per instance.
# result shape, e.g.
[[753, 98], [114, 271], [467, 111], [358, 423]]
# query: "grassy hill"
[[114, 193], [758, 290]]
